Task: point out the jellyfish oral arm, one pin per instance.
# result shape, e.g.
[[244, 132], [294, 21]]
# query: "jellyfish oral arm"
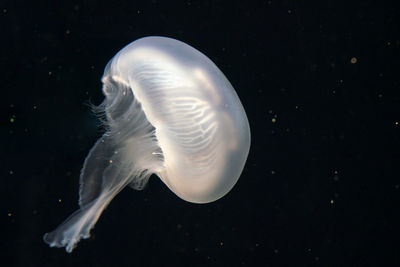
[[79, 224], [110, 166]]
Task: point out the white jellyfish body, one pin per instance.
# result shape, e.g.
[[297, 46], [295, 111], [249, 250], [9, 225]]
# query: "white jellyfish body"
[[169, 111]]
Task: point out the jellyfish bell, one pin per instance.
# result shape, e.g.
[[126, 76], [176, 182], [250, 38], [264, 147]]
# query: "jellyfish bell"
[[168, 110]]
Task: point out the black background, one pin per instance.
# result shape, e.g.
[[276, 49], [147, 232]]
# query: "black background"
[[321, 184]]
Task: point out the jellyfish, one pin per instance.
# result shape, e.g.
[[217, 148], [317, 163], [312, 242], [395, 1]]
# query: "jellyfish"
[[169, 111]]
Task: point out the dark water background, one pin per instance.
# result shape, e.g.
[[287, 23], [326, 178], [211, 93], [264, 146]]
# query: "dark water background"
[[320, 82]]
